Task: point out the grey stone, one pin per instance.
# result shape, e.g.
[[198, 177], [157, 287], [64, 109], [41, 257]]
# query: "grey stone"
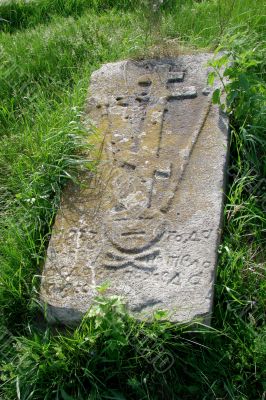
[[207, 90], [185, 93], [149, 222], [175, 77]]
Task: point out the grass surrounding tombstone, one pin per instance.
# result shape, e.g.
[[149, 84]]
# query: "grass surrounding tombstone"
[[48, 50]]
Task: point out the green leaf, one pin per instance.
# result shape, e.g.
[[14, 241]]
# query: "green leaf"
[[218, 63], [102, 288], [65, 395], [243, 81], [211, 78], [216, 96], [229, 71], [160, 315]]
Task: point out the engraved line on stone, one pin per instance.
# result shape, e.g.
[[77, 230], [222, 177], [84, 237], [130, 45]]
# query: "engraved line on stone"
[[176, 275], [141, 120], [174, 68], [113, 256], [144, 81], [122, 102], [149, 303], [137, 250], [128, 166], [207, 233], [133, 233], [161, 130], [150, 256], [157, 153], [134, 264], [160, 70], [194, 236], [150, 136], [116, 261], [186, 93], [175, 77], [163, 174], [151, 191], [142, 99], [193, 141], [128, 257], [165, 207]]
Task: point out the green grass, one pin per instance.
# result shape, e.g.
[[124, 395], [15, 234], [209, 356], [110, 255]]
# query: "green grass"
[[18, 15], [48, 50]]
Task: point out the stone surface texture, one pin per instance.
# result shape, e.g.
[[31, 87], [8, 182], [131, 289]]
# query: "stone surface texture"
[[148, 223]]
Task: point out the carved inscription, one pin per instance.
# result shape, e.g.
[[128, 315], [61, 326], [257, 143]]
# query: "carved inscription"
[[194, 236], [147, 223]]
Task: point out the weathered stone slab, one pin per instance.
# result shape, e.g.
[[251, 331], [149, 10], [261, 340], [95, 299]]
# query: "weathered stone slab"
[[149, 222]]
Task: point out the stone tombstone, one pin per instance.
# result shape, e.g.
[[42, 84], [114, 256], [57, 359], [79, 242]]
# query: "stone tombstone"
[[148, 223]]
